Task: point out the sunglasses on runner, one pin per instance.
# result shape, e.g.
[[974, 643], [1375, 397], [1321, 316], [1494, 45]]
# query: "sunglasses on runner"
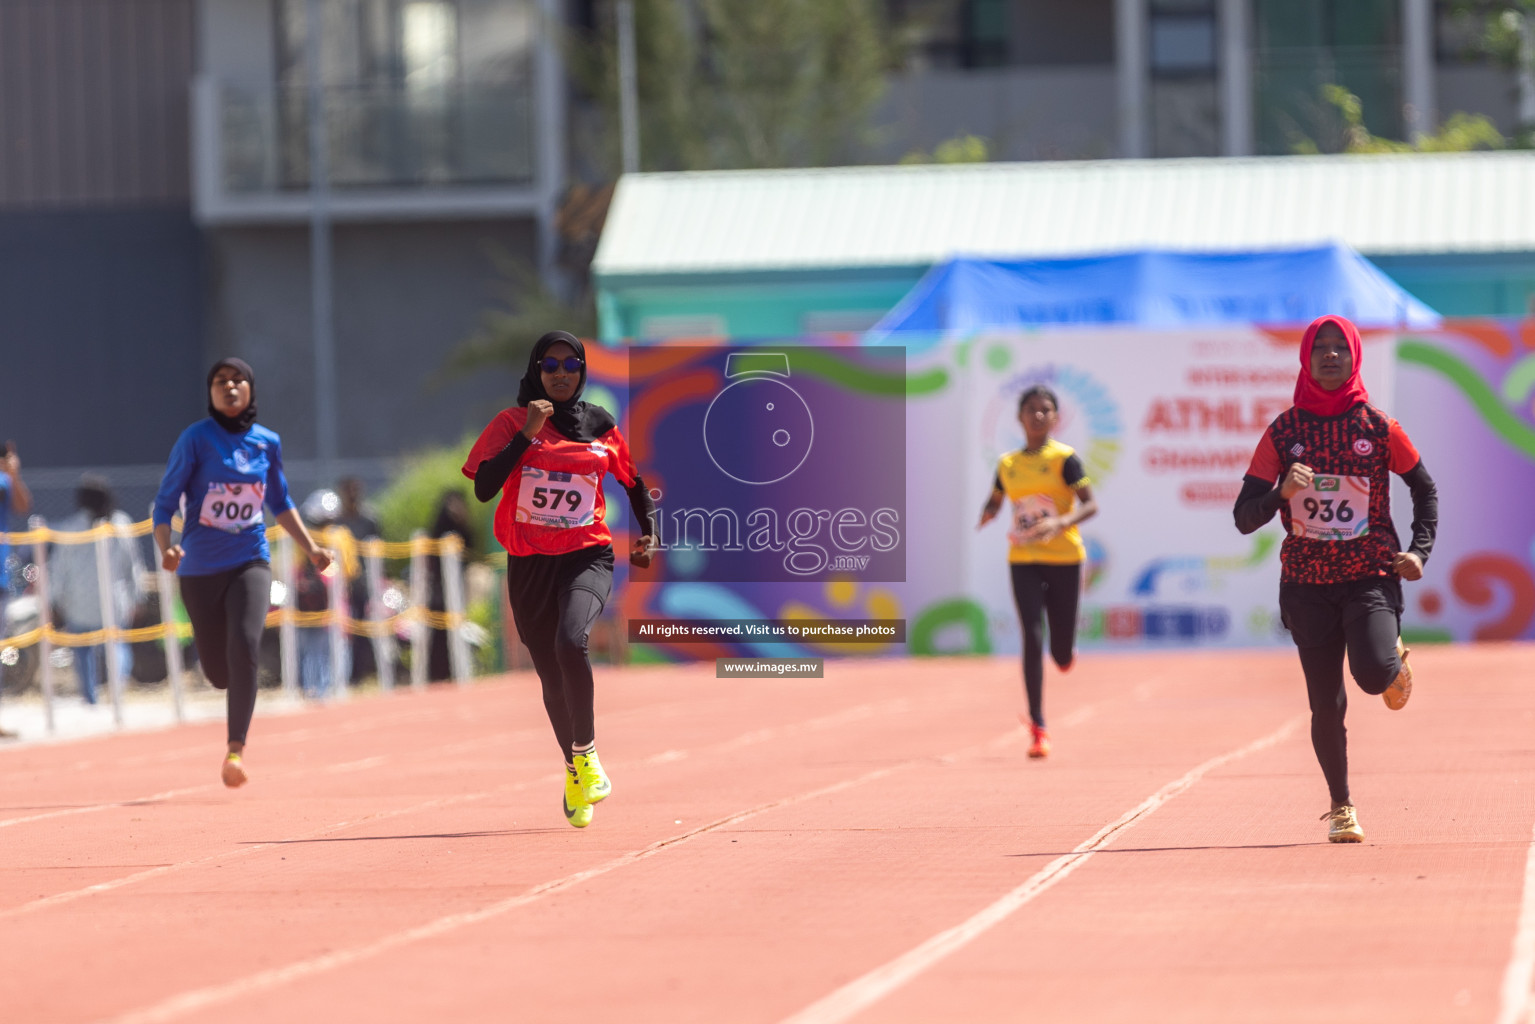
[[551, 364]]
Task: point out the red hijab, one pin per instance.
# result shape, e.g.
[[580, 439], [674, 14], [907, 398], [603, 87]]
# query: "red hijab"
[[1310, 395]]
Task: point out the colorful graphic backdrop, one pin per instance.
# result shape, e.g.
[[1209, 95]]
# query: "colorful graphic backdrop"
[[1165, 423]]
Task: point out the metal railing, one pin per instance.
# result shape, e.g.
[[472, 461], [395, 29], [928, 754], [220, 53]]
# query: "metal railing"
[[391, 615], [379, 136]]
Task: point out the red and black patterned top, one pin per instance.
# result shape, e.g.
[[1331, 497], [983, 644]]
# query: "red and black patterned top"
[[1339, 528]]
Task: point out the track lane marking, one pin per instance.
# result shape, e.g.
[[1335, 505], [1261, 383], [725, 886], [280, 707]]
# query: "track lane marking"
[[861, 993], [1514, 1002], [857, 712], [199, 999]]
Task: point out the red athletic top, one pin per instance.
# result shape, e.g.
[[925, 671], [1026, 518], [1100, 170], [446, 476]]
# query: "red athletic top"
[[1340, 528], [552, 502]]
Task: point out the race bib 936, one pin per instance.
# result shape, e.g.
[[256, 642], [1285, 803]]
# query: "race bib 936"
[[1333, 508]]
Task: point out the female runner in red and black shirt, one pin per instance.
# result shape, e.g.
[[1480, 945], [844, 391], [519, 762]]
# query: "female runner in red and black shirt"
[[1341, 570], [547, 457]]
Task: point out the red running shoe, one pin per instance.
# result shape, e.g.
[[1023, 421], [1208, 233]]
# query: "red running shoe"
[[1041, 744]]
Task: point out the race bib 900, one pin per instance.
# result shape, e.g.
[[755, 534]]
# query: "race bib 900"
[[1333, 508], [232, 507], [561, 500]]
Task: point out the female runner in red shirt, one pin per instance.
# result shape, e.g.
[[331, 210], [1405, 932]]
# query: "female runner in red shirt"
[[1341, 570], [546, 457]]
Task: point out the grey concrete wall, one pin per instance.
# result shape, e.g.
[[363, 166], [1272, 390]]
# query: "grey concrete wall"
[[405, 295], [1051, 113], [94, 101], [100, 334]]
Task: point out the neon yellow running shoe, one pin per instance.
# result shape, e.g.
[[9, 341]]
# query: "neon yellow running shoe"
[[577, 810], [594, 782], [234, 771]]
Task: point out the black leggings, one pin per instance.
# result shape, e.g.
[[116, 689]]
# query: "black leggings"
[[1045, 591], [555, 600], [228, 611], [1360, 619]]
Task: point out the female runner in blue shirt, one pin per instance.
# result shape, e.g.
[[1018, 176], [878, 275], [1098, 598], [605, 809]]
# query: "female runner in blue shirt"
[[222, 470]]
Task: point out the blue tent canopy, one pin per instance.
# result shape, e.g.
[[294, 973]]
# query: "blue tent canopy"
[[1154, 288]]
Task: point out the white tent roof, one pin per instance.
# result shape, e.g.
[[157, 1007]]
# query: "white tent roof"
[[915, 215]]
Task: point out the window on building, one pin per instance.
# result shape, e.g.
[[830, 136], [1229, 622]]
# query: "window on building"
[[415, 91], [1302, 46], [1185, 91], [957, 33]]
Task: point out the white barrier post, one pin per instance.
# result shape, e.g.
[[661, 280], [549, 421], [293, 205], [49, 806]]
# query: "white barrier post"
[[418, 627], [287, 638], [383, 640], [102, 540], [165, 580], [340, 614], [44, 622], [453, 599]]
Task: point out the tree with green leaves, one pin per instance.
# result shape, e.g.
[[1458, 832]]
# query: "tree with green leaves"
[[744, 83], [1459, 133]]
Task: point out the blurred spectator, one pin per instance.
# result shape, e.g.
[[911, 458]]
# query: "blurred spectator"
[[452, 517], [355, 515], [14, 497], [312, 593], [76, 587], [359, 521]]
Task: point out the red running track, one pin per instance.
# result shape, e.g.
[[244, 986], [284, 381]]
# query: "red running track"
[[872, 846]]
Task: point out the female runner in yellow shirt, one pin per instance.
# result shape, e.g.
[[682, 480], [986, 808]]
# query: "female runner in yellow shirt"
[[1051, 494]]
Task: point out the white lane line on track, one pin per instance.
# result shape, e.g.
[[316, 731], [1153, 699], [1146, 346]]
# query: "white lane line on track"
[[857, 712], [197, 999], [861, 993], [1514, 1004], [200, 999], [89, 808], [70, 896]]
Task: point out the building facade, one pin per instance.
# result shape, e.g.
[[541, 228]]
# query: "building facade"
[[156, 211], [1089, 79]]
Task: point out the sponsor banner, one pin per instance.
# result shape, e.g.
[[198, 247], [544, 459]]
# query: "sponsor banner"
[[1165, 423]]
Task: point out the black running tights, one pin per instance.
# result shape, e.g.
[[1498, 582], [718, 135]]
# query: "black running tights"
[[228, 612], [564, 669], [1359, 621], [1045, 592]]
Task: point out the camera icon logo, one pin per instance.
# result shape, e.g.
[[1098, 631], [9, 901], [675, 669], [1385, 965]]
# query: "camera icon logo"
[[758, 429]]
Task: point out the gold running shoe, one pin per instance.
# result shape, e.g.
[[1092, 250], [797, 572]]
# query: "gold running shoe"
[[1343, 825], [577, 810], [234, 771], [1400, 689]]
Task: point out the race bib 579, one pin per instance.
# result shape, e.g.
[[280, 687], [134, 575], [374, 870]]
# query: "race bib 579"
[[561, 500]]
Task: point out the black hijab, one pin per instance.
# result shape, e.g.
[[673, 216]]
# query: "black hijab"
[[577, 420], [241, 423]]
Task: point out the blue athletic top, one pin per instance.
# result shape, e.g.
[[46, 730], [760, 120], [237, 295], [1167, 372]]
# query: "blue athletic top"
[[5, 526], [226, 478]]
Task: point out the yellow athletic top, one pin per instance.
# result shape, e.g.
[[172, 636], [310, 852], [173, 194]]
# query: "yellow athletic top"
[[1042, 483]]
